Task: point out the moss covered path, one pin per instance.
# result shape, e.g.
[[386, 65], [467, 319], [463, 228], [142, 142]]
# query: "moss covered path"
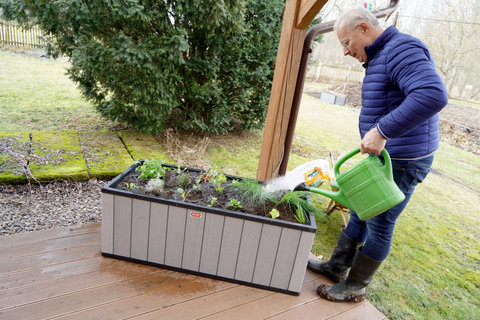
[[70, 154]]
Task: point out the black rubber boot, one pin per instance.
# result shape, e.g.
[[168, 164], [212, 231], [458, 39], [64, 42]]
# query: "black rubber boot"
[[336, 269], [353, 288]]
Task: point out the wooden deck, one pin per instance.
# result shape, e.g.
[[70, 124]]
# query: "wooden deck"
[[60, 274]]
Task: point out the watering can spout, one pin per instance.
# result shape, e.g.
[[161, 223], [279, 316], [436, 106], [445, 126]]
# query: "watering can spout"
[[337, 196], [301, 187]]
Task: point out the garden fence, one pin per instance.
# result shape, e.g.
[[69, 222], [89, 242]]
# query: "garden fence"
[[12, 34]]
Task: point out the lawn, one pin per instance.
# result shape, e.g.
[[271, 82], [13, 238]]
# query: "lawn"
[[433, 271]]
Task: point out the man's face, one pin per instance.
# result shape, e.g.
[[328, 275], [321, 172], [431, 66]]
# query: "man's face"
[[354, 41]]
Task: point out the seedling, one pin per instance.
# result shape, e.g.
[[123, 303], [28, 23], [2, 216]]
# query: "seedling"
[[218, 181], [212, 201], [155, 185], [234, 204], [275, 213], [131, 186], [183, 193], [300, 215], [296, 201], [184, 180], [252, 192], [151, 169]]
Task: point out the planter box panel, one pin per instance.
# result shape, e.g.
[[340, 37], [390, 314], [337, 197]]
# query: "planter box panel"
[[303, 251], [248, 251], [232, 232], [286, 254], [193, 240], [212, 240], [175, 236], [157, 233], [267, 252], [122, 226], [140, 227], [107, 222], [223, 244]]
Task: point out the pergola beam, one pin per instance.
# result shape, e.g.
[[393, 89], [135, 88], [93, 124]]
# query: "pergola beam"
[[297, 16]]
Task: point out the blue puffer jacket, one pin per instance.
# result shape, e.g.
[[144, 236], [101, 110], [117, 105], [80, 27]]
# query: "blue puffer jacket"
[[402, 95]]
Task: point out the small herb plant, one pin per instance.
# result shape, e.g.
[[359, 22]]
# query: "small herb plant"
[[183, 193], [155, 185], [218, 182], [274, 213], [184, 180], [151, 169], [131, 186], [252, 192], [234, 204], [212, 201], [296, 201]]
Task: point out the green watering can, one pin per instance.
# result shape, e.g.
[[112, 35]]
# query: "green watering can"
[[367, 188]]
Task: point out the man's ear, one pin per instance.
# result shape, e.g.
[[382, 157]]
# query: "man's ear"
[[364, 27]]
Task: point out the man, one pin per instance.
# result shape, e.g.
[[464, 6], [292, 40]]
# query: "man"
[[401, 97]]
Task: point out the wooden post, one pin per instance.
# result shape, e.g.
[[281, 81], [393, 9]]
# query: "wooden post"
[[298, 15]]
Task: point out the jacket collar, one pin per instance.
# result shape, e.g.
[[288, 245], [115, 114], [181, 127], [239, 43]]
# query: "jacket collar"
[[380, 42]]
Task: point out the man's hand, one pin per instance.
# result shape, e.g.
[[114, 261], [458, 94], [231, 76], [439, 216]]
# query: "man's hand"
[[372, 142]]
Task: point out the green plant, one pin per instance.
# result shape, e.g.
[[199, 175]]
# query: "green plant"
[[274, 213], [218, 181], [151, 169], [252, 192], [183, 193], [155, 185], [184, 180], [202, 66], [212, 201], [234, 204], [131, 186], [296, 200]]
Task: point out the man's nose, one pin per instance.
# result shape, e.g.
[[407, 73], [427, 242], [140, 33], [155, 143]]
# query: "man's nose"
[[346, 51]]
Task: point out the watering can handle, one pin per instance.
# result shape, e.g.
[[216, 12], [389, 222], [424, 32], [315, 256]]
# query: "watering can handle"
[[386, 158]]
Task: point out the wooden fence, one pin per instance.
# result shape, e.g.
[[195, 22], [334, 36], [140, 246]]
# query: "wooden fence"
[[11, 34]]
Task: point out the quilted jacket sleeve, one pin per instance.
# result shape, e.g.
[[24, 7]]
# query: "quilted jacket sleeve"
[[411, 68]]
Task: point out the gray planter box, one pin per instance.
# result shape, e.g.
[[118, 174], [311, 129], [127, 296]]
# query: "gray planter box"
[[221, 244]]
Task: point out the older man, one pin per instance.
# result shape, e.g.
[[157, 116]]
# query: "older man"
[[401, 97]]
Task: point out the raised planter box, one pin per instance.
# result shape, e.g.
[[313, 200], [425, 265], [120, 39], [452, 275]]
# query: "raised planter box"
[[220, 244]]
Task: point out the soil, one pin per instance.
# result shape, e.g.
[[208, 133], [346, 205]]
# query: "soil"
[[205, 193], [459, 125]]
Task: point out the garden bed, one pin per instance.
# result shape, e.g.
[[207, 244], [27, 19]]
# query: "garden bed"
[[198, 229]]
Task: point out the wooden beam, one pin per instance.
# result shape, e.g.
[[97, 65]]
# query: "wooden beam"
[[283, 86], [276, 118], [308, 11]]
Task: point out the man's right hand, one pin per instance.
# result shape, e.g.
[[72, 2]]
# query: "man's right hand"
[[372, 142]]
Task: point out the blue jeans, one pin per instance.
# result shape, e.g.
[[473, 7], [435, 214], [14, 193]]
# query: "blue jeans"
[[377, 232]]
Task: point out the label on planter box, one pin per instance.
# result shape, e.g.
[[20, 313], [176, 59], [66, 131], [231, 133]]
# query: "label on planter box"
[[195, 214]]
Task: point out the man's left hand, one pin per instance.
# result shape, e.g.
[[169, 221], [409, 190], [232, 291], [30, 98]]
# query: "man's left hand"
[[372, 142]]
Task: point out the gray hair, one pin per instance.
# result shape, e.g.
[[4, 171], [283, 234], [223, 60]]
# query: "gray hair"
[[354, 16]]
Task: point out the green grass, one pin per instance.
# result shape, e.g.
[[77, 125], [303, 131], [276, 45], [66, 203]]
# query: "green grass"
[[36, 95], [433, 270], [473, 104]]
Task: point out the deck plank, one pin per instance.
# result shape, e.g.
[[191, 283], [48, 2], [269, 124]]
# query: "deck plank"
[[60, 274], [64, 304], [57, 271], [270, 305], [49, 258], [58, 287], [48, 234], [50, 245]]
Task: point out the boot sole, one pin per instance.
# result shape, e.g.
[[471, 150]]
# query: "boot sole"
[[322, 291]]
